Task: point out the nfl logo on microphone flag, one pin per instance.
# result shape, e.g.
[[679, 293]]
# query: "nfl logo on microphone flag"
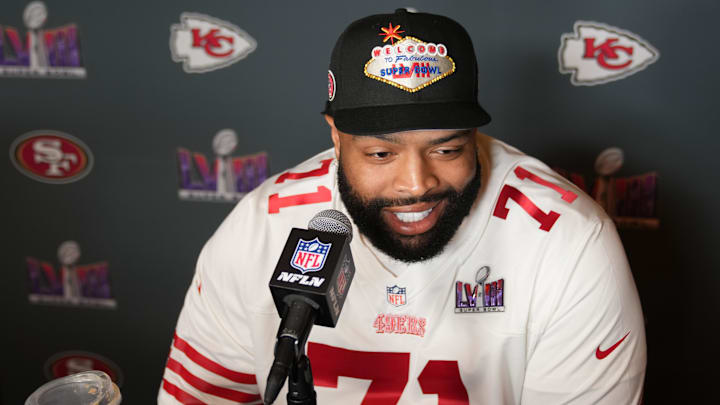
[[310, 255]]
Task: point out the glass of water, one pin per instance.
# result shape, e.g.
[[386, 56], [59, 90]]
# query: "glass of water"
[[86, 388]]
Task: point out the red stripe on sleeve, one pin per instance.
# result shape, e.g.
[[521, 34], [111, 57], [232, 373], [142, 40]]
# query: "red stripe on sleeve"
[[208, 388], [210, 365], [180, 395]]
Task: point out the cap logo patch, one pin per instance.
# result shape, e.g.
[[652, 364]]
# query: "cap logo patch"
[[411, 64], [331, 86]]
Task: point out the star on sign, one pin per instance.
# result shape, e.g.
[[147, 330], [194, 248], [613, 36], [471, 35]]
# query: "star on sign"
[[391, 33]]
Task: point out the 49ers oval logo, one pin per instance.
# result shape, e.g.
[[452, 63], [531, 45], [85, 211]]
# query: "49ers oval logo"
[[51, 157]]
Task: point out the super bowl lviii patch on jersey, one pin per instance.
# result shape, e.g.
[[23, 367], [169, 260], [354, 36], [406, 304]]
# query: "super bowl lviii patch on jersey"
[[310, 255], [410, 64], [483, 296]]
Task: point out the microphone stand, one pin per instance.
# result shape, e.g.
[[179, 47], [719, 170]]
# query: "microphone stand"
[[290, 359], [301, 390]]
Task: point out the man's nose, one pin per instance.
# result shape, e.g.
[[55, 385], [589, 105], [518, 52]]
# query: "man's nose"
[[415, 177]]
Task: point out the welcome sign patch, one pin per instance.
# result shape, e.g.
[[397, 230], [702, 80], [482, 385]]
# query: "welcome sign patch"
[[411, 64]]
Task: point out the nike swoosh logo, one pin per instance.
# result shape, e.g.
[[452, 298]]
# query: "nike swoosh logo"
[[601, 354]]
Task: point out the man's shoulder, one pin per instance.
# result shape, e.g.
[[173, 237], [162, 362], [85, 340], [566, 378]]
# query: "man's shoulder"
[[291, 196], [527, 190], [262, 220], [242, 253]]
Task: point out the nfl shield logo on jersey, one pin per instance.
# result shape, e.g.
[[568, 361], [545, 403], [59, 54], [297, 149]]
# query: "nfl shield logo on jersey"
[[396, 295], [310, 255]]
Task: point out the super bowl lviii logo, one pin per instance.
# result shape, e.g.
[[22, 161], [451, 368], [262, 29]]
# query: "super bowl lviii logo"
[[72, 284], [50, 52], [203, 43], [597, 53], [631, 201], [483, 296], [51, 156], [228, 179]]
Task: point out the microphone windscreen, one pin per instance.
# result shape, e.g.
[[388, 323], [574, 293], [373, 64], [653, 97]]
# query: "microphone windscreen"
[[332, 221]]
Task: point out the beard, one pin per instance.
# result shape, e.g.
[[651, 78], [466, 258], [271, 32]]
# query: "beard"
[[367, 215]]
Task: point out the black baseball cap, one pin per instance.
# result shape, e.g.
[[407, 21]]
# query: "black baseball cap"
[[403, 71]]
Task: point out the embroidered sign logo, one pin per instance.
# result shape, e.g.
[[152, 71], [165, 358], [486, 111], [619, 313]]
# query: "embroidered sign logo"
[[597, 53], [310, 255], [51, 157], [203, 43], [481, 297], [40, 53], [410, 64], [396, 296]]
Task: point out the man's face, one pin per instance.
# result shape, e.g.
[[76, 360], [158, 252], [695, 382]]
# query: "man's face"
[[408, 192]]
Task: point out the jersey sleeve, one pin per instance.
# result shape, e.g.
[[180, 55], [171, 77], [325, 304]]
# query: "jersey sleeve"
[[588, 340], [211, 359]]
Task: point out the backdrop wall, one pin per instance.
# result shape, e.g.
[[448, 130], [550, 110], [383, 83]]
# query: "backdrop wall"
[[139, 119]]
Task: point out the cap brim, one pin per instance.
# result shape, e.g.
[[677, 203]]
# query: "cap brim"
[[406, 117]]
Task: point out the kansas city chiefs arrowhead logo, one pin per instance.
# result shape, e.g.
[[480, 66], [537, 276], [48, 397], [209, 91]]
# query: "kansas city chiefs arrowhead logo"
[[205, 43], [597, 53]]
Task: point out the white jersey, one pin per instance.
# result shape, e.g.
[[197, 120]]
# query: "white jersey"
[[531, 302]]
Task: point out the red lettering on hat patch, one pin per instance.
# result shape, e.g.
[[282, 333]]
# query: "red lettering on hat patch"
[[597, 53], [410, 64]]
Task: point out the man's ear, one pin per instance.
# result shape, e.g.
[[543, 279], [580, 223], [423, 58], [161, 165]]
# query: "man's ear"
[[334, 135]]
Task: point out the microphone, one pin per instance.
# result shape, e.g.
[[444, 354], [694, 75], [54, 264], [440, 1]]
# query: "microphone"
[[309, 287]]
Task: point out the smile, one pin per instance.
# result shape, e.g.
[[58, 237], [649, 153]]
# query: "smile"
[[408, 217], [413, 219]]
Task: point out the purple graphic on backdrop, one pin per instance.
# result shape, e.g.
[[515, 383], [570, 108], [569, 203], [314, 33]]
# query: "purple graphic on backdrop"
[[85, 285], [630, 201], [229, 178], [53, 52]]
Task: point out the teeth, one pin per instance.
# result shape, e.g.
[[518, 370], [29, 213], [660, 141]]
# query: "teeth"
[[412, 216]]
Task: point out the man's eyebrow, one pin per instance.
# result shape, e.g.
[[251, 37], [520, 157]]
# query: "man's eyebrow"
[[383, 137], [393, 139], [458, 134]]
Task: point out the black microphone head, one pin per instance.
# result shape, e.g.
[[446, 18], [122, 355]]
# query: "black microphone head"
[[332, 221]]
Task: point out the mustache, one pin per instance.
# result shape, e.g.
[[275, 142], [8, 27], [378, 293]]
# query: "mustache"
[[380, 203]]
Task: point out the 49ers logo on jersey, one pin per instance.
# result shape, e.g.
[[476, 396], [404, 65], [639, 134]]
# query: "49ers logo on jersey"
[[51, 157], [205, 43], [597, 53]]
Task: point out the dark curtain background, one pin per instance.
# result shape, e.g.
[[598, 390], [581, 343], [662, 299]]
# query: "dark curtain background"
[[136, 107]]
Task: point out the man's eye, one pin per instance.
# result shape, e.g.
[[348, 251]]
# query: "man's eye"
[[379, 155], [448, 152]]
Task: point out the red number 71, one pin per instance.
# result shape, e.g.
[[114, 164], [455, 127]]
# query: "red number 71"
[[388, 373], [275, 202], [509, 192]]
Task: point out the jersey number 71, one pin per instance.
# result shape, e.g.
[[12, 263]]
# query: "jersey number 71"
[[547, 220]]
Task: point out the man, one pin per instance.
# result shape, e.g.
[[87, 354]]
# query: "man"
[[481, 275]]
